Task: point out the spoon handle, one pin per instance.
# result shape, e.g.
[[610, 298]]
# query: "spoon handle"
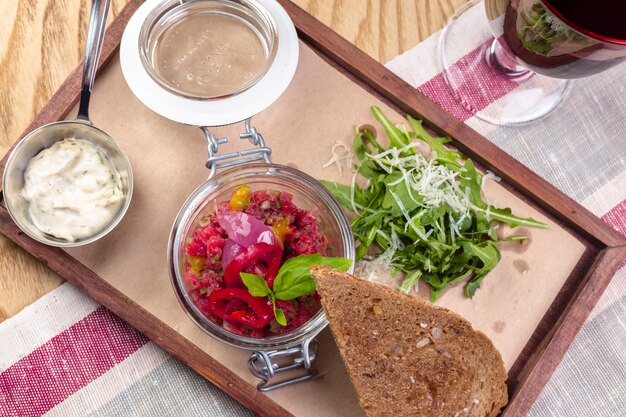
[[95, 36]]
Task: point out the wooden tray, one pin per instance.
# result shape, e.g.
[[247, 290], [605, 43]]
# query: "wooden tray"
[[599, 249]]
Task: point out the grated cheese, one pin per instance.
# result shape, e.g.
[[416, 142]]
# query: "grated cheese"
[[405, 213], [344, 154], [488, 176], [452, 230]]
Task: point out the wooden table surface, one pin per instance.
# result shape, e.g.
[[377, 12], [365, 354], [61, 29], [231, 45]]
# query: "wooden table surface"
[[42, 41]]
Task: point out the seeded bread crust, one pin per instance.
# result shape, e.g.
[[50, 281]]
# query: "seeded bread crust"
[[406, 357]]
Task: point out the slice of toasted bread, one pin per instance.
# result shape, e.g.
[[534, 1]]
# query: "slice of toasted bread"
[[406, 357]]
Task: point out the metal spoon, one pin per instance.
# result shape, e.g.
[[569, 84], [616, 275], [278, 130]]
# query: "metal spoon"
[[45, 136]]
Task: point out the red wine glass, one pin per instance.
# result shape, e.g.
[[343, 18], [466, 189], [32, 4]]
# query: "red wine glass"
[[519, 71]]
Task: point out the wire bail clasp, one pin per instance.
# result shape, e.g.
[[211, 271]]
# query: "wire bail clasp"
[[214, 162], [264, 365]]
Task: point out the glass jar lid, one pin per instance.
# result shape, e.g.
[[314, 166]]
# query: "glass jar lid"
[[209, 62], [208, 49]]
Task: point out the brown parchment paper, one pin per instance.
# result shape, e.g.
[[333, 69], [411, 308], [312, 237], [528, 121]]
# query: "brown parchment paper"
[[320, 107]]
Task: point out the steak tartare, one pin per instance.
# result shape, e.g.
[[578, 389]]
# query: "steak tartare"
[[253, 232]]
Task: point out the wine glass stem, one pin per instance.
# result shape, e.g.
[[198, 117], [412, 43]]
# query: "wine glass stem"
[[501, 58]]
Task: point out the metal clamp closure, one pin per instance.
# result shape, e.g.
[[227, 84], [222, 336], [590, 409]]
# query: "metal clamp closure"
[[265, 365], [260, 153]]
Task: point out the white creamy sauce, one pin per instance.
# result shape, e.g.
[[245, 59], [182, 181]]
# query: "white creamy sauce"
[[73, 189]]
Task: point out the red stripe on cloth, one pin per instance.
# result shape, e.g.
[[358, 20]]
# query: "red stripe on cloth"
[[616, 218], [66, 363], [474, 71]]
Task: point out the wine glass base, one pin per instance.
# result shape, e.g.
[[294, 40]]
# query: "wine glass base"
[[493, 90]]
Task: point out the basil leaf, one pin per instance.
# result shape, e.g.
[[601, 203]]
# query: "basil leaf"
[[256, 285], [280, 316], [294, 278], [297, 286], [278, 313]]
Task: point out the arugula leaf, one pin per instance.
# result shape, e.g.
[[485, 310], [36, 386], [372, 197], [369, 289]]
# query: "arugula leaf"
[[397, 138], [471, 181], [449, 157], [506, 216], [410, 280], [401, 192], [342, 193]]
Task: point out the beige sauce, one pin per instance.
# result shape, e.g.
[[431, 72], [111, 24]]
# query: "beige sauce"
[[73, 190], [209, 55]]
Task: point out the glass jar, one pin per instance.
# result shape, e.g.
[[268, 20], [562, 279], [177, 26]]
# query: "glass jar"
[[199, 54], [308, 194]]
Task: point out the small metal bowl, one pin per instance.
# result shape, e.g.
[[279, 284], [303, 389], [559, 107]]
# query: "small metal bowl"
[[42, 138]]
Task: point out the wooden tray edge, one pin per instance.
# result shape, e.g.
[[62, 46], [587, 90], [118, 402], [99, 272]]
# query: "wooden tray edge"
[[406, 98], [542, 365]]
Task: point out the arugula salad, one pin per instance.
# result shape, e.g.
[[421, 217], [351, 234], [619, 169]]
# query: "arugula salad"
[[423, 216]]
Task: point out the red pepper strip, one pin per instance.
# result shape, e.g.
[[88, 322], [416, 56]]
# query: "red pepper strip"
[[261, 307], [271, 254], [273, 266]]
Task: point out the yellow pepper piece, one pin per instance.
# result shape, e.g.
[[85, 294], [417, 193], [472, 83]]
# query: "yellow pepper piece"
[[240, 199], [196, 263], [281, 229]]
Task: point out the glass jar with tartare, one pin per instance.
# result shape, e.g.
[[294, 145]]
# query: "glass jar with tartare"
[[252, 220]]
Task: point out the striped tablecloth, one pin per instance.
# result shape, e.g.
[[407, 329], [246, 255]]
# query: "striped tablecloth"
[[67, 356]]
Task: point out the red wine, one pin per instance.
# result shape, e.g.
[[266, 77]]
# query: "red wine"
[[566, 38], [605, 19]]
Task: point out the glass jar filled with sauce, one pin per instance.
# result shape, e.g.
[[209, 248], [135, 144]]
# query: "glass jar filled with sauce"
[[208, 49]]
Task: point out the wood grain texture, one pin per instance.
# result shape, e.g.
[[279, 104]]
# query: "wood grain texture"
[[383, 28], [42, 41]]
